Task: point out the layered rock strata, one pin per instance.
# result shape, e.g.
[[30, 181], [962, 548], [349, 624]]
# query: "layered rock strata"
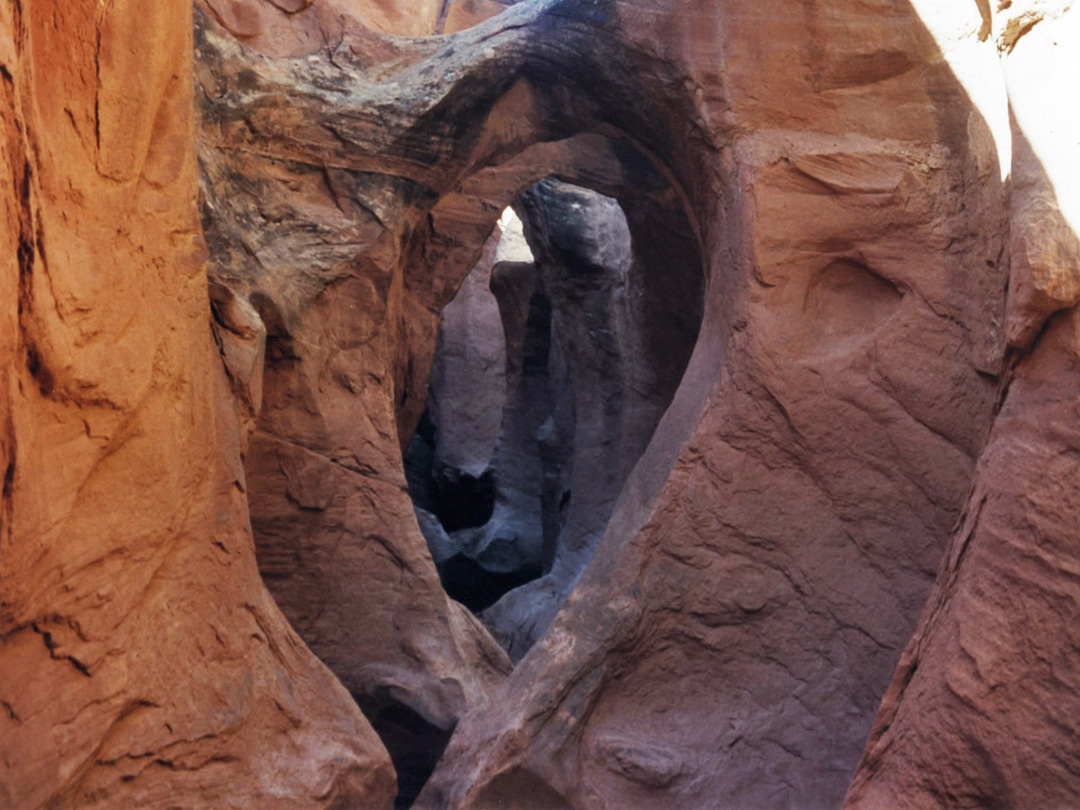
[[331, 250], [819, 446]]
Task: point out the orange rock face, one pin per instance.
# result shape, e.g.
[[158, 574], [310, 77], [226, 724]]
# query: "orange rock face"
[[142, 662], [980, 711], [882, 392]]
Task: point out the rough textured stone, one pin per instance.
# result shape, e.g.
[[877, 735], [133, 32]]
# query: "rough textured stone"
[[888, 238], [740, 620], [332, 249], [317, 251], [142, 662], [735, 630], [981, 710]]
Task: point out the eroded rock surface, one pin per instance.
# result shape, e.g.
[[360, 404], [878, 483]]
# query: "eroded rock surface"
[[316, 250], [478, 466], [734, 632], [142, 662], [981, 710], [338, 254], [767, 558], [580, 362], [888, 241]]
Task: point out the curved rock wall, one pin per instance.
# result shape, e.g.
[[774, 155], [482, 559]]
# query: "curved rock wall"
[[580, 356], [316, 250], [886, 216], [142, 662], [334, 234], [980, 711], [734, 632]]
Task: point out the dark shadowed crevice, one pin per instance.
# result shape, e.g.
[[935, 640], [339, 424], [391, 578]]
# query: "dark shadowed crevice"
[[464, 501], [419, 459], [458, 499], [414, 744], [555, 361], [536, 353], [476, 588]]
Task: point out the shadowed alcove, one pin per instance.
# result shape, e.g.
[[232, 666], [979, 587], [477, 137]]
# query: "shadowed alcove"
[[555, 359]]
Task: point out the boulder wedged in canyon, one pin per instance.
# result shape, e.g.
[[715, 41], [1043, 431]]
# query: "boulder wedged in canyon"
[[142, 662]]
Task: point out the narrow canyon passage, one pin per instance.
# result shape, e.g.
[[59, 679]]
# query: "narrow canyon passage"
[[541, 405], [548, 379], [718, 619], [597, 308]]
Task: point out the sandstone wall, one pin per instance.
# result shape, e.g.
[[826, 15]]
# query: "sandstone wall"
[[980, 711], [768, 559], [884, 374], [142, 662]]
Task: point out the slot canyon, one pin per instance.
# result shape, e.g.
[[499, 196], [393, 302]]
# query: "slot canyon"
[[540, 404]]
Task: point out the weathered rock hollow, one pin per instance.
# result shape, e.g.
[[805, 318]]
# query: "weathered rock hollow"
[[749, 436]]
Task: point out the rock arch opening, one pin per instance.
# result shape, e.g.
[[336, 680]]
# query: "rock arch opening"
[[555, 360], [350, 262]]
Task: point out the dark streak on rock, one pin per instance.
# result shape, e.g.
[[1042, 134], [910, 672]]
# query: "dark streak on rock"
[[50, 644]]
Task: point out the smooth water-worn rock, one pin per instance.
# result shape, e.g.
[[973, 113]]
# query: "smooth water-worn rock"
[[880, 403], [336, 269], [981, 710], [769, 555], [566, 343], [612, 360], [486, 403], [142, 661]]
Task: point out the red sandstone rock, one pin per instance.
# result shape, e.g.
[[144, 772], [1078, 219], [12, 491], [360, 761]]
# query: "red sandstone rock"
[[142, 662], [733, 634], [981, 710], [824, 435], [768, 557], [317, 250]]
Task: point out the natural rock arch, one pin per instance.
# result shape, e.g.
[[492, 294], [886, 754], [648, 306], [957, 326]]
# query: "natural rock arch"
[[621, 297], [451, 150], [766, 562], [338, 545]]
